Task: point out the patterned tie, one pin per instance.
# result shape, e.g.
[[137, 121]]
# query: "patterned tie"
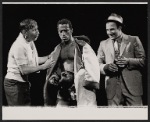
[[116, 48], [117, 45]]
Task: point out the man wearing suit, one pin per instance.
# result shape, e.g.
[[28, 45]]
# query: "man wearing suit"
[[121, 57]]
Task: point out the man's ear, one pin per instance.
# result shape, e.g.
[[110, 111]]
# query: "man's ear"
[[72, 30], [24, 33], [120, 27]]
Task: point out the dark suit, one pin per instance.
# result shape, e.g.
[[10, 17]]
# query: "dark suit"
[[131, 47]]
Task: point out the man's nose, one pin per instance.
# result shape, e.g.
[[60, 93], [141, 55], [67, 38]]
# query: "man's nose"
[[108, 32], [63, 33], [38, 32]]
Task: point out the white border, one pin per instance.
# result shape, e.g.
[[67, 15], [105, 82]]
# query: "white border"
[[74, 2], [49, 113]]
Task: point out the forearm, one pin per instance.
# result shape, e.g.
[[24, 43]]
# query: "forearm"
[[101, 64], [25, 70], [102, 71], [43, 59], [101, 59], [136, 63]]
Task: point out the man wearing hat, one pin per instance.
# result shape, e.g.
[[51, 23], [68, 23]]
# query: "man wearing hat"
[[121, 57]]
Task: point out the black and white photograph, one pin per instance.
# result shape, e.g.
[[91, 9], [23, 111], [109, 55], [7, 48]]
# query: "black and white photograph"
[[75, 60]]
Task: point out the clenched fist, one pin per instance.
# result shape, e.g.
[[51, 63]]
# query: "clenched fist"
[[67, 79], [54, 79], [110, 67]]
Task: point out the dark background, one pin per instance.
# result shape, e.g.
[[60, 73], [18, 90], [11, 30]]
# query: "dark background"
[[87, 19]]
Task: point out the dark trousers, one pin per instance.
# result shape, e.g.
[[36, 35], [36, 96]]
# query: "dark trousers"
[[17, 93], [123, 96]]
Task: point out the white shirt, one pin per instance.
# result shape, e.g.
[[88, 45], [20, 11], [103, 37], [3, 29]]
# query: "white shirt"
[[21, 53]]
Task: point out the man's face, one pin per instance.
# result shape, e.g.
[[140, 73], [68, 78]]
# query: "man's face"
[[33, 33], [112, 30], [65, 33]]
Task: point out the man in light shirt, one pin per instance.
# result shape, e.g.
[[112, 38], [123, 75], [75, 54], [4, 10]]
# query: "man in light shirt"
[[22, 60]]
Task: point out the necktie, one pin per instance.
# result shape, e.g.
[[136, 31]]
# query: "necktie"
[[116, 48]]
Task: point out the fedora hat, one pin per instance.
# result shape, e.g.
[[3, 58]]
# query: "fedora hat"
[[115, 18]]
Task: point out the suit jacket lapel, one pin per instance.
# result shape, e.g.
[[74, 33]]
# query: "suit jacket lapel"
[[123, 44]]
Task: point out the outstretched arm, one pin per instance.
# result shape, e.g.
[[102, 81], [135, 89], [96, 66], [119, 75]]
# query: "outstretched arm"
[[43, 59], [25, 69]]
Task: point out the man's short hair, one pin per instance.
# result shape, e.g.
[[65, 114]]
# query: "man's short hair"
[[27, 24], [65, 21]]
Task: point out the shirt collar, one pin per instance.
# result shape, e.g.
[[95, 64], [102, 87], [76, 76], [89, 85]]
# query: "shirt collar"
[[119, 39], [22, 39]]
